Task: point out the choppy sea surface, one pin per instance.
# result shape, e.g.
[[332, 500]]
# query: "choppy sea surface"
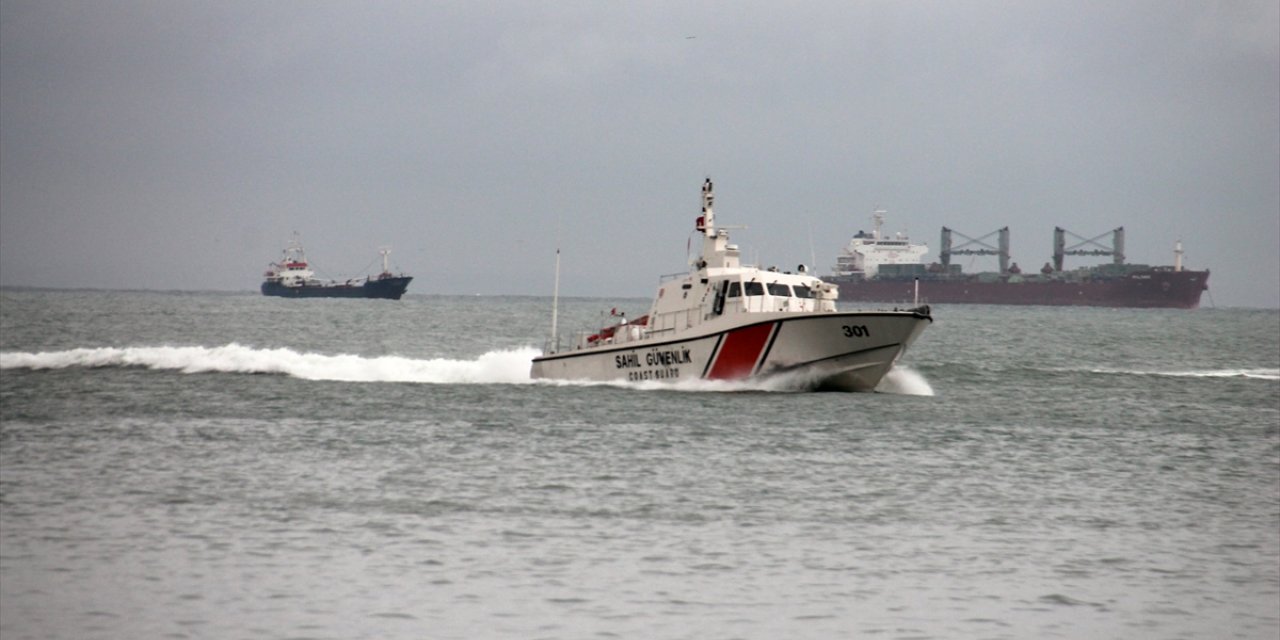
[[205, 465]]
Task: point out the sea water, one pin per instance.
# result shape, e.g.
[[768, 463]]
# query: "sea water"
[[218, 465]]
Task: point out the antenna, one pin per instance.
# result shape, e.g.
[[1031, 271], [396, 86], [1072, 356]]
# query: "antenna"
[[555, 301], [554, 344], [813, 255]]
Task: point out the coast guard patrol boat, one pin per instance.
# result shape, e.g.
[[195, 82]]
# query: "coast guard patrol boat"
[[724, 321]]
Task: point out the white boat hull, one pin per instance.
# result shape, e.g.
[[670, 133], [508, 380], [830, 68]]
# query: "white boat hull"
[[840, 350]]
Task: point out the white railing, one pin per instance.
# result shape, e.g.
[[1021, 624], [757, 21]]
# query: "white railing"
[[668, 322]]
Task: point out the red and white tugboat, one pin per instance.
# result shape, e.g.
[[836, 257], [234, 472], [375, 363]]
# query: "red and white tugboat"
[[727, 321]]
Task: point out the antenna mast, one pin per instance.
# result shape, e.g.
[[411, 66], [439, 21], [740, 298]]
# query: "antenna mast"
[[555, 302]]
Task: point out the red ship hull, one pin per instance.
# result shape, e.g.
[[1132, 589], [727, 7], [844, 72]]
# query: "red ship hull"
[[1155, 288]]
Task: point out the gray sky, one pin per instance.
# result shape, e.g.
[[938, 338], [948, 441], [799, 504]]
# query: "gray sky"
[[178, 145]]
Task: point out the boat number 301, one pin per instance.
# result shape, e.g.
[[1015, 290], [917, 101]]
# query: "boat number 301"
[[856, 331]]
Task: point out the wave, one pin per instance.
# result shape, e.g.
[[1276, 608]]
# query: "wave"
[[905, 381], [508, 366], [1259, 374]]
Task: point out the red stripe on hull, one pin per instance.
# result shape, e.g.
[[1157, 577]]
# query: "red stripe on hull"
[[738, 354]]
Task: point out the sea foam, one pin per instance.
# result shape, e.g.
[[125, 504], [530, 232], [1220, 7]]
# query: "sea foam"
[[501, 366], [1258, 374], [905, 381]]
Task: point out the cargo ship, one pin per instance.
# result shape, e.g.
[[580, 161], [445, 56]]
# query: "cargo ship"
[[293, 277], [873, 267]]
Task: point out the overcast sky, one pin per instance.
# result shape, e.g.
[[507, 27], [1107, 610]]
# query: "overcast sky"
[[178, 145]]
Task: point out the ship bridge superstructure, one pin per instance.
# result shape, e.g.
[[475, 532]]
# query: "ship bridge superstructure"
[[293, 269], [719, 289], [867, 252], [718, 284]]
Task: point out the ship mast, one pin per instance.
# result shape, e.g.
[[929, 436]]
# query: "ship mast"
[[706, 223], [716, 250]]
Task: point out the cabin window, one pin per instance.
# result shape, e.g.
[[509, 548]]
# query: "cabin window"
[[735, 290], [803, 291], [753, 288], [779, 289]]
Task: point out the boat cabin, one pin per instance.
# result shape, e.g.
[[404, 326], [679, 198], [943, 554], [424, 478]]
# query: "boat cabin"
[[719, 287]]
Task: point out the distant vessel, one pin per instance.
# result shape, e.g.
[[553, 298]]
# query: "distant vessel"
[[873, 267], [292, 277], [725, 321]]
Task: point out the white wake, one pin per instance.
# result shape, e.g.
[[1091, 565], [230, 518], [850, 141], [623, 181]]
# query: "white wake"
[[905, 381], [1259, 374], [504, 366]]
